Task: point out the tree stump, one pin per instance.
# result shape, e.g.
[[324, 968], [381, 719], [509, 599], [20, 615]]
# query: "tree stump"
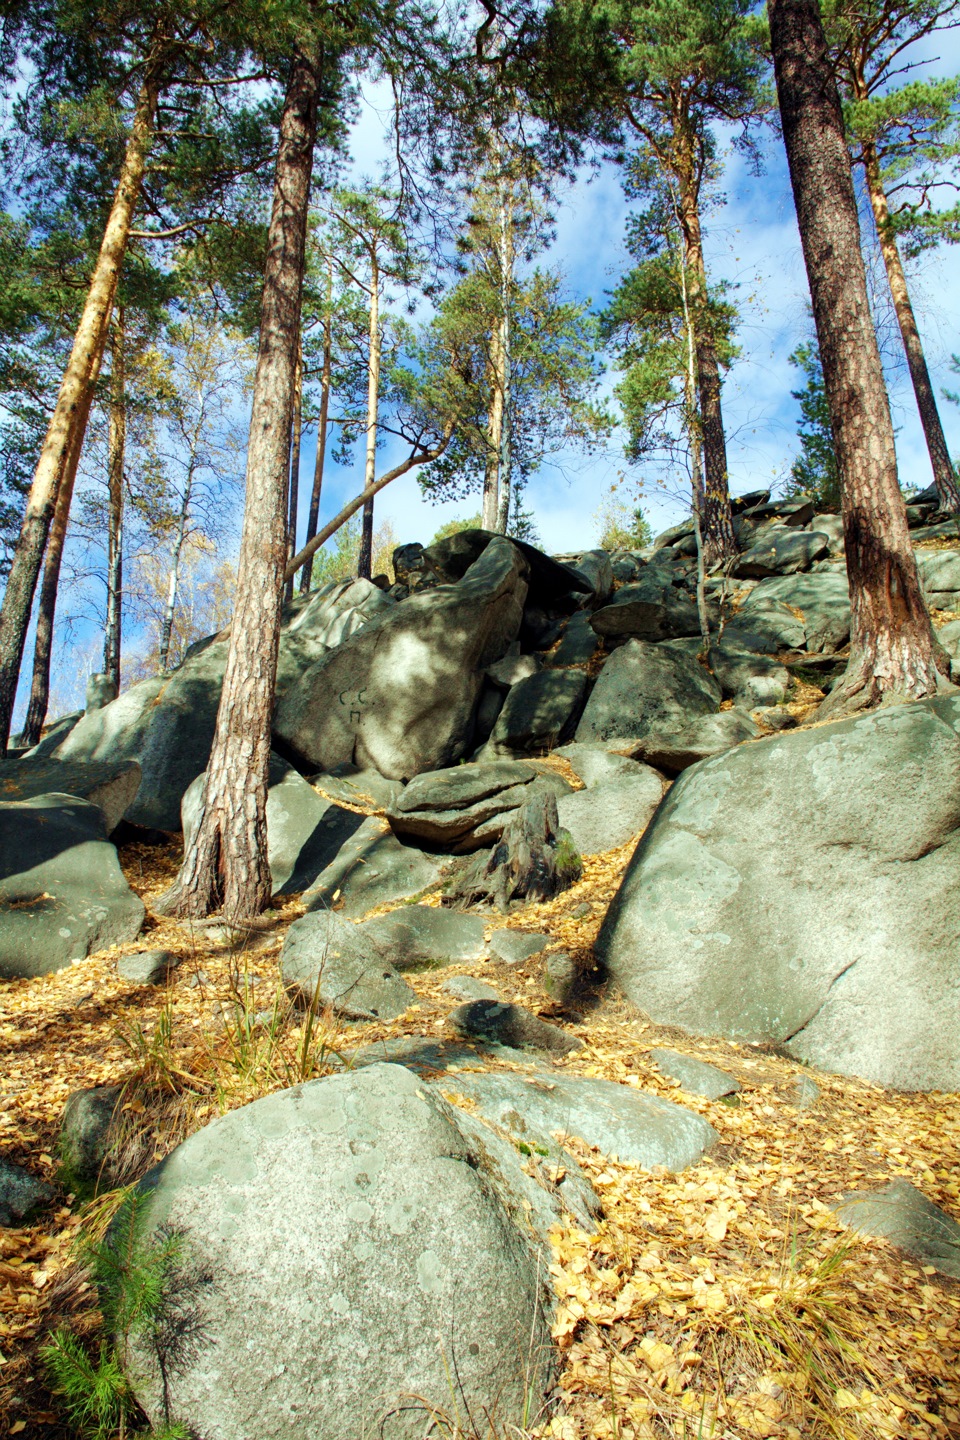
[[534, 860]]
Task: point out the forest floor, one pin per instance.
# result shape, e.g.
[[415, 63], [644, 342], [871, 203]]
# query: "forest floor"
[[726, 1301]]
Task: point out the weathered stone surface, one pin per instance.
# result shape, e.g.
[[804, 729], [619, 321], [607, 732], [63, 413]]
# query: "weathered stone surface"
[[764, 626], [147, 967], [694, 1076], [468, 987], [448, 807], [550, 580], [62, 892], [305, 831], [515, 946], [642, 689], [650, 609], [166, 725], [504, 1024], [357, 787], [595, 766], [538, 712], [902, 1214], [711, 929], [21, 1194], [561, 977], [806, 1092], [616, 1119], [782, 551], [939, 570], [596, 568], [417, 937], [372, 868], [676, 750], [388, 1261], [400, 695], [326, 960], [87, 1133], [822, 598], [604, 816], [580, 642], [54, 736], [111, 786], [513, 668]]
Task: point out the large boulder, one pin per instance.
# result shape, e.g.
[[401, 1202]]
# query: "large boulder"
[[400, 695], [350, 1269], [417, 937], [604, 816], [326, 960], [802, 890], [822, 598], [782, 551], [62, 892], [538, 712], [112, 786], [550, 581], [650, 609], [644, 688], [305, 831], [464, 806], [166, 724], [371, 868]]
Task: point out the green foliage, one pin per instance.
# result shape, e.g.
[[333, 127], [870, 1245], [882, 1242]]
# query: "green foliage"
[[148, 1294], [623, 528], [454, 527], [814, 472]]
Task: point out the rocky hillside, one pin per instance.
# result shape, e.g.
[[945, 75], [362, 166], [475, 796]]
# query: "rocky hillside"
[[500, 1120]]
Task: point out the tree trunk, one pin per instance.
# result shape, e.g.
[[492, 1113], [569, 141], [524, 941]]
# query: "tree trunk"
[[116, 457], [892, 649], [72, 407], [491, 469], [46, 614], [365, 559], [720, 545], [313, 516], [505, 466], [294, 504], [943, 473], [226, 862], [533, 861], [173, 577]]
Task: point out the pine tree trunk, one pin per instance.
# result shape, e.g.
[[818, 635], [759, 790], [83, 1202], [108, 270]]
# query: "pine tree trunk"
[[943, 472], [505, 467], [313, 517], [226, 862], [720, 545], [294, 504], [72, 407], [892, 650], [46, 615], [116, 449], [365, 559]]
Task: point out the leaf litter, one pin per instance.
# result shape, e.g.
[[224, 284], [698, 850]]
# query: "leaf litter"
[[724, 1302]]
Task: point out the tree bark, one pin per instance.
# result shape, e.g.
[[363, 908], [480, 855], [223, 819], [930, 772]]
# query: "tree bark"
[[892, 649], [116, 448], [491, 469], [720, 545], [173, 577], [294, 504], [365, 559], [326, 373], [72, 407], [226, 863], [944, 475], [533, 861], [505, 463]]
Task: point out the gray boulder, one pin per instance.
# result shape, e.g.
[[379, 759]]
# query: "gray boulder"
[[455, 807], [676, 750], [147, 967], [417, 937], [711, 928], [502, 1024], [55, 735], [62, 892], [595, 766], [468, 987], [902, 1214], [763, 626], [111, 786], [389, 1264], [579, 644], [939, 571], [618, 1120], [304, 831], [605, 816], [515, 946], [400, 695], [694, 1076], [101, 689], [326, 960], [782, 551], [21, 1194], [650, 609], [643, 688], [596, 568], [823, 600], [372, 868], [88, 1131], [538, 712]]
